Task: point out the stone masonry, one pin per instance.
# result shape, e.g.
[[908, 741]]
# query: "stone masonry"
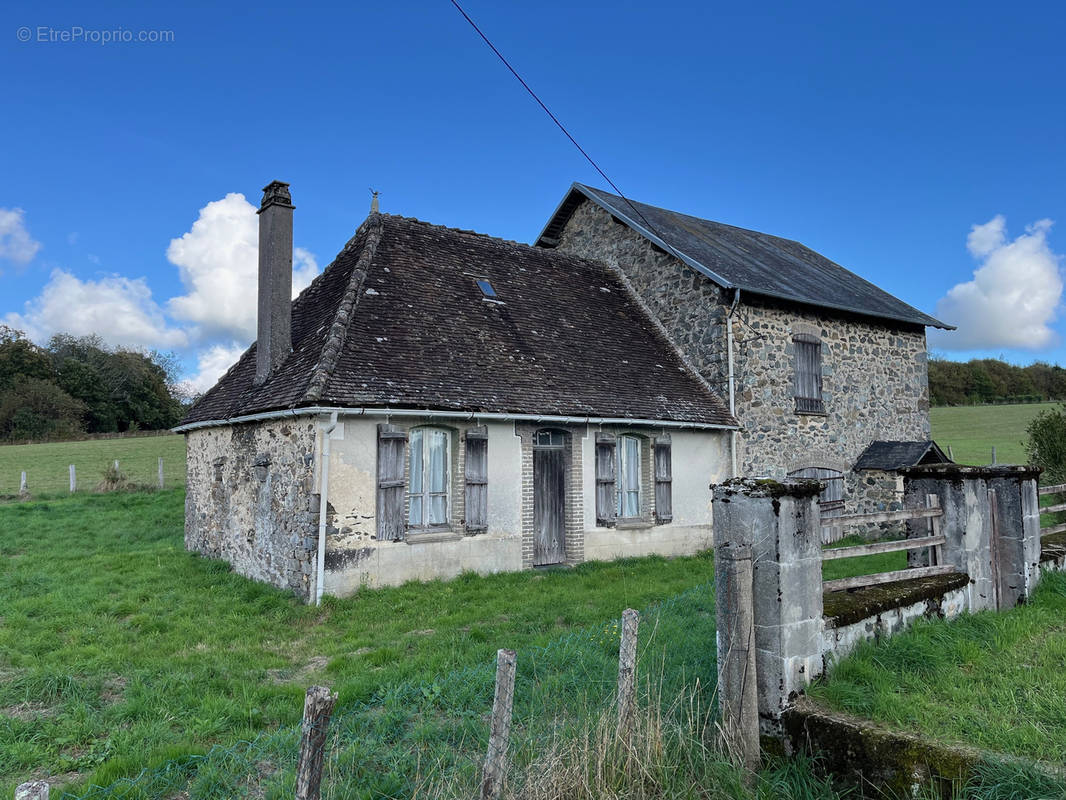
[[250, 499], [874, 373]]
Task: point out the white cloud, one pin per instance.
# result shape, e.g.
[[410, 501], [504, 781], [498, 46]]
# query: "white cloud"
[[218, 260], [211, 365], [16, 244], [119, 309], [1014, 294]]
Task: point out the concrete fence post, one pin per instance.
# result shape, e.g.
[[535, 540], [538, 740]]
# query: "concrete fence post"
[[780, 522], [160, 472], [34, 790], [22, 483], [737, 682], [73, 479], [991, 525]]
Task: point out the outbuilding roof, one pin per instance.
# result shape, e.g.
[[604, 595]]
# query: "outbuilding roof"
[[891, 456], [737, 258], [417, 316]]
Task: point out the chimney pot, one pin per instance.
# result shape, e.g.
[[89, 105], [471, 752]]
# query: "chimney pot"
[[274, 341]]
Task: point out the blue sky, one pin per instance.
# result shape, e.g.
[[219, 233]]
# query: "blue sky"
[[878, 134]]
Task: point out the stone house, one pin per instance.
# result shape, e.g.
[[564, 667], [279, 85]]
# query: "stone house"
[[816, 363], [438, 401]]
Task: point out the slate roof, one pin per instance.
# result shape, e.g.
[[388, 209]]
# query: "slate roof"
[[397, 320], [890, 456], [747, 260]]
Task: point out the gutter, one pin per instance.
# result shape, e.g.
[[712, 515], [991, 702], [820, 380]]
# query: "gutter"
[[323, 492], [292, 413]]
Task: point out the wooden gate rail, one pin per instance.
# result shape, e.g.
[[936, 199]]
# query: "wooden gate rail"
[[935, 542], [1058, 488]]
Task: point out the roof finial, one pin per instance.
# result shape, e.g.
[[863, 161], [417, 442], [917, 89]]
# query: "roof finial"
[[374, 202]]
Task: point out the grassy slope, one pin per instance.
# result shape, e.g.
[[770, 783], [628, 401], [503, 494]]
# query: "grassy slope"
[[996, 681], [971, 431], [47, 465], [127, 644]]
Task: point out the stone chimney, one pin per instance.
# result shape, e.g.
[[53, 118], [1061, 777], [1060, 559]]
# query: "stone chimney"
[[275, 280]]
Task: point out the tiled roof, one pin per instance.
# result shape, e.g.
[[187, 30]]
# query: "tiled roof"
[[398, 321], [742, 259], [890, 456]]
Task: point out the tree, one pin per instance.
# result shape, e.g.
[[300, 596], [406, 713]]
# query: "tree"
[[20, 357], [32, 408], [1046, 443]]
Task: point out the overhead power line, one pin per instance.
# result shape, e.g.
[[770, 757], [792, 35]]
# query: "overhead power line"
[[562, 127]]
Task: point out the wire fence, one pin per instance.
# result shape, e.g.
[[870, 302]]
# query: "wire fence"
[[47, 467], [431, 737]]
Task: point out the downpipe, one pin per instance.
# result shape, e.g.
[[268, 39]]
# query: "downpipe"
[[732, 384], [323, 492]]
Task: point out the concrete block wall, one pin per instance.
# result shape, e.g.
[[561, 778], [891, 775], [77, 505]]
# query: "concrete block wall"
[[780, 523], [1003, 562]]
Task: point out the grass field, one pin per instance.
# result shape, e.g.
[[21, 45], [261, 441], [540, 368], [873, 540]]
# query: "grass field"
[[996, 681], [972, 431], [118, 649], [47, 465]]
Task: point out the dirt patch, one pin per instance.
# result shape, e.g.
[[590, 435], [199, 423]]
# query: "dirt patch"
[[298, 674], [425, 632], [114, 689], [27, 711]]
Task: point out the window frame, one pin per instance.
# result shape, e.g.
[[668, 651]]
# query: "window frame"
[[621, 475], [424, 434], [807, 391]]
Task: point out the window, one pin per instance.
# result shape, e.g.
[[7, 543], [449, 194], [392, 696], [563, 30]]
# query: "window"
[[664, 502], [486, 289], [831, 498], [808, 376], [477, 479], [427, 494], [628, 477]]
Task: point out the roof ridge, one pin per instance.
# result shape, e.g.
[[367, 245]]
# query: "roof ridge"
[[338, 332]]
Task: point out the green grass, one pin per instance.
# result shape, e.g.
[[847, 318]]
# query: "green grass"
[[117, 647], [995, 681], [47, 465], [972, 431]]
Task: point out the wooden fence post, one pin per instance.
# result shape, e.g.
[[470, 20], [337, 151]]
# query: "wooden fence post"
[[737, 690], [627, 673], [160, 472], [73, 479], [500, 731], [318, 706], [34, 790]]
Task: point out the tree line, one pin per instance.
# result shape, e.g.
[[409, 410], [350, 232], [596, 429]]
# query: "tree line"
[[78, 385], [989, 380]]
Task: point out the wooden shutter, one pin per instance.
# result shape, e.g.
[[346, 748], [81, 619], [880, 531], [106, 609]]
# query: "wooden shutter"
[[477, 479], [808, 374], [392, 442], [664, 501], [606, 470]]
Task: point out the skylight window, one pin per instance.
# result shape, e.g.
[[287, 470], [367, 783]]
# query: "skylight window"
[[486, 289]]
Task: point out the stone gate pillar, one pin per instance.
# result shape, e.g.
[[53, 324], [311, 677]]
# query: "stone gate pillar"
[[991, 523], [780, 522]]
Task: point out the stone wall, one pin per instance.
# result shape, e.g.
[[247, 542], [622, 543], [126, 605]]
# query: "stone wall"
[[873, 373], [250, 500]]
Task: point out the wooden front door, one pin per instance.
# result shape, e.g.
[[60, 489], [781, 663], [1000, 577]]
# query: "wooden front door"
[[549, 497]]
